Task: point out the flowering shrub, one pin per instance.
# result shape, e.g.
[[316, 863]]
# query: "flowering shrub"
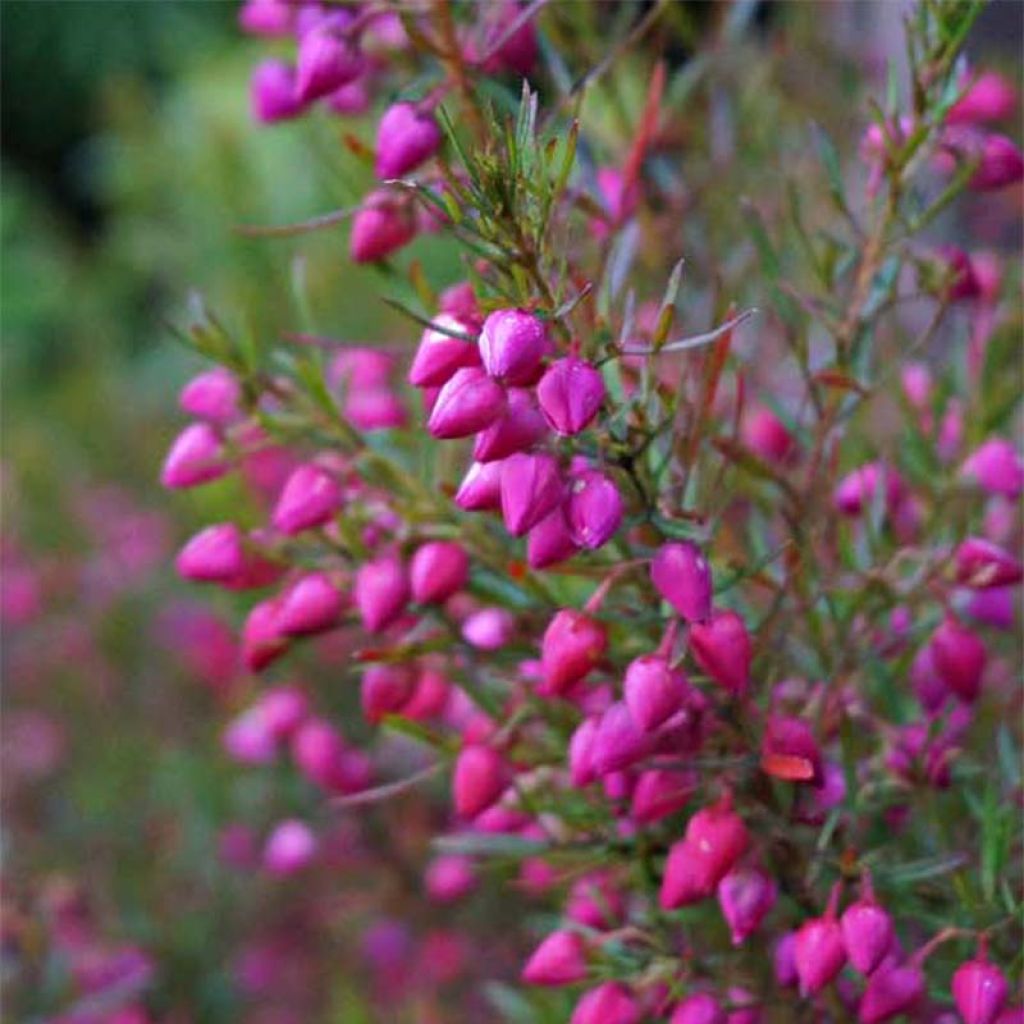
[[702, 613]]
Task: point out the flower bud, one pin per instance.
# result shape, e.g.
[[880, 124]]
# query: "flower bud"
[[609, 1003], [789, 751], [284, 709], [196, 456], [990, 97], [439, 355], [867, 934], [996, 468], [290, 848], [767, 437], [570, 394], [406, 137], [265, 18], [272, 92], [857, 489], [746, 895], [520, 427], [596, 902], [682, 576], [384, 224], [783, 961], [489, 629], [325, 62], [249, 739], [618, 742], [653, 691], [995, 607], [478, 781], [319, 754], [262, 640], [377, 408], [558, 960], [979, 991], [480, 489], [722, 649], [891, 991], [518, 51], [385, 690], [531, 488], [819, 953], [572, 645], [469, 402], [310, 498], [438, 570], [959, 658], [381, 592], [981, 564], [594, 509], [1001, 163], [699, 1008], [311, 604], [214, 555], [659, 793], [512, 344], [214, 396], [581, 751], [550, 541], [450, 877]]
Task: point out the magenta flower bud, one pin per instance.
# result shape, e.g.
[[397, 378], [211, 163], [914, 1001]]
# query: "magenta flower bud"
[[722, 649], [214, 395], [618, 742], [438, 570], [963, 282], [374, 409], [518, 51], [596, 902], [265, 18], [550, 541], [439, 355], [381, 592], [319, 754], [891, 991], [959, 658], [489, 629], [609, 1003], [430, 697], [659, 793], [521, 426], [262, 639], [746, 895], [995, 607], [570, 394], [990, 97], [653, 691], [385, 690], [857, 489], [916, 379], [248, 738], [478, 781], [559, 960], [214, 555], [512, 345], [819, 953], [449, 878], [594, 509], [789, 751], [309, 498], [979, 991], [784, 962], [867, 933], [406, 137], [284, 709], [531, 488], [996, 468], [581, 751], [981, 564], [572, 645], [290, 848], [384, 224], [311, 604], [1001, 164], [468, 403], [196, 457], [325, 62], [767, 437], [682, 576], [272, 92], [700, 1008], [480, 489]]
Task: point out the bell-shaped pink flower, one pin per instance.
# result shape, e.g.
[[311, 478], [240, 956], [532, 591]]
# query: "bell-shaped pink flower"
[[891, 991], [867, 932], [489, 629], [381, 592], [682, 575], [699, 1008], [385, 690], [609, 1003], [819, 952], [989, 97], [660, 792], [214, 395], [439, 569], [746, 895], [321, 755], [326, 61], [581, 750], [480, 489], [570, 394], [531, 487], [981, 564], [979, 990], [512, 345], [789, 750], [262, 639], [573, 644], [384, 224], [249, 739], [214, 555], [1001, 163], [478, 781], [284, 709], [272, 92], [784, 962], [559, 960], [520, 427], [593, 510], [469, 402], [618, 742], [959, 658], [450, 877], [996, 468], [268, 18], [406, 137], [654, 691], [721, 647], [196, 457], [767, 436], [439, 355], [290, 848], [310, 605], [550, 541], [310, 498]]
